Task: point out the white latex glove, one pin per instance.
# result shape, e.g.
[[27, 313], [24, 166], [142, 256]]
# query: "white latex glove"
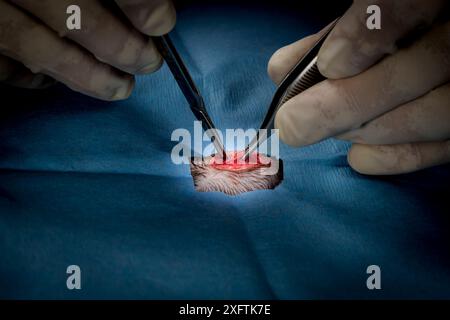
[[393, 103], [99, 60]]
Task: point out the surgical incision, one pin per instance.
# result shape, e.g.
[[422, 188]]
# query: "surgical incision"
[[235, 175]]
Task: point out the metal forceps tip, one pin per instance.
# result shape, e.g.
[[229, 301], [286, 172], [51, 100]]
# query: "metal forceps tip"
[[188, 87]]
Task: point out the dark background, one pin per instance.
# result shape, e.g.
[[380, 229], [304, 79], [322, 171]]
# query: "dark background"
[[91, 183]]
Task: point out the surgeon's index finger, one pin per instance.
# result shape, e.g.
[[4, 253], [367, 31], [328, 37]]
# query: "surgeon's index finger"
[[285, 58], [41, 50], [336, 106], [352, 46], [151, 17], [109, 38]]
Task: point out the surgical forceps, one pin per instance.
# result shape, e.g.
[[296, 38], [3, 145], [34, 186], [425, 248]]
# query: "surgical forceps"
[[302, 76], [189, 89]]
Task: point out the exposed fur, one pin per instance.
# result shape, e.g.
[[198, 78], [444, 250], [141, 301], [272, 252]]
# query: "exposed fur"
[[208, 178]]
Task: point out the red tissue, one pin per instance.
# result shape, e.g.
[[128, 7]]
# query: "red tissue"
[[235, 175]]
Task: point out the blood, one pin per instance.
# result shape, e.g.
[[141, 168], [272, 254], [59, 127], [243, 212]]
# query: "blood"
[[233, 175], [235, 162]]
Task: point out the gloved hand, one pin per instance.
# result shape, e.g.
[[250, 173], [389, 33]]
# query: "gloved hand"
[[392, 102], [99, 60]]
